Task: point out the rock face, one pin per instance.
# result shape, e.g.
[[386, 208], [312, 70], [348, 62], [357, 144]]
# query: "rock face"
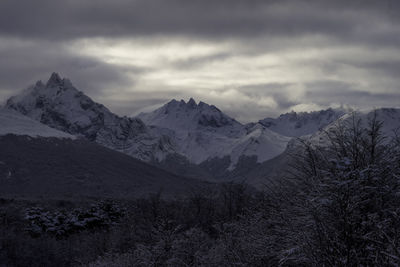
[[60, 105]]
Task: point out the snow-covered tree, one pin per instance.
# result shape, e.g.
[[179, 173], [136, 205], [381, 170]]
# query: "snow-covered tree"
[[349, 191]]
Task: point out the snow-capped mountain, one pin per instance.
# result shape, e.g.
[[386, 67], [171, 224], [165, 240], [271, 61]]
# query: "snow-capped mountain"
[[60, 105], [195, 135], [185, 117], [39, 161], [12, 122], [295, 124], [202, 132]]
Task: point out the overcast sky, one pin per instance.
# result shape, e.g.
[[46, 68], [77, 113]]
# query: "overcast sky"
[[251, 58]]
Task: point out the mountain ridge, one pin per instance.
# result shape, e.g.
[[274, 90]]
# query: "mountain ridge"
[[296, 124], [179, 135], [204, 132], [60, 105], [197, 131]]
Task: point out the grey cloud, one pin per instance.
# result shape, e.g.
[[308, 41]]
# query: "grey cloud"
[[133, 103], [389, 68], [199, 61], [23, 65], [249, 110], [327, 92], [246, 113], [329, 86], [234, 18], [42, 29], [280, 92], [135, 106]]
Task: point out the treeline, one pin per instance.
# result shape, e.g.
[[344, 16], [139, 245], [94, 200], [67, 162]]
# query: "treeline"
[[339, 205], [144, 232]]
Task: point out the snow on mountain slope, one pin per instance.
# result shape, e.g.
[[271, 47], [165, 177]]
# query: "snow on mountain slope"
[[390, 117], [12, 122], [295, 124], [261, 142], [202, 132], [60, 105]]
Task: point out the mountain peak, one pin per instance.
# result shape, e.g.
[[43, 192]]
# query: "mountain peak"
[[62, 106], [188, 116], [182, 104], [192, 103], [54, 80], [190, 106]]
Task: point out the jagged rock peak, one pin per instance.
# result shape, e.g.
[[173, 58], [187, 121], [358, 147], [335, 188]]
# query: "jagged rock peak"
[[192, 103], [54, 80], [188, 115], [182, 103]]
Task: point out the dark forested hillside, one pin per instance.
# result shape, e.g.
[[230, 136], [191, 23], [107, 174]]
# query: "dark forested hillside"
[[65, 168]]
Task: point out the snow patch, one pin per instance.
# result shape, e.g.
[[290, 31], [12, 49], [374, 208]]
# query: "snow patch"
[[12, 122]]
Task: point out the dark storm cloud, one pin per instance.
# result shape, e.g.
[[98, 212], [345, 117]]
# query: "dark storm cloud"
[[255, 58], [234, 18]]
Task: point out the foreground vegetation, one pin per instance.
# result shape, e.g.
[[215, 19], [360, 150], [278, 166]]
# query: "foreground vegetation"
[[339, 207]]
